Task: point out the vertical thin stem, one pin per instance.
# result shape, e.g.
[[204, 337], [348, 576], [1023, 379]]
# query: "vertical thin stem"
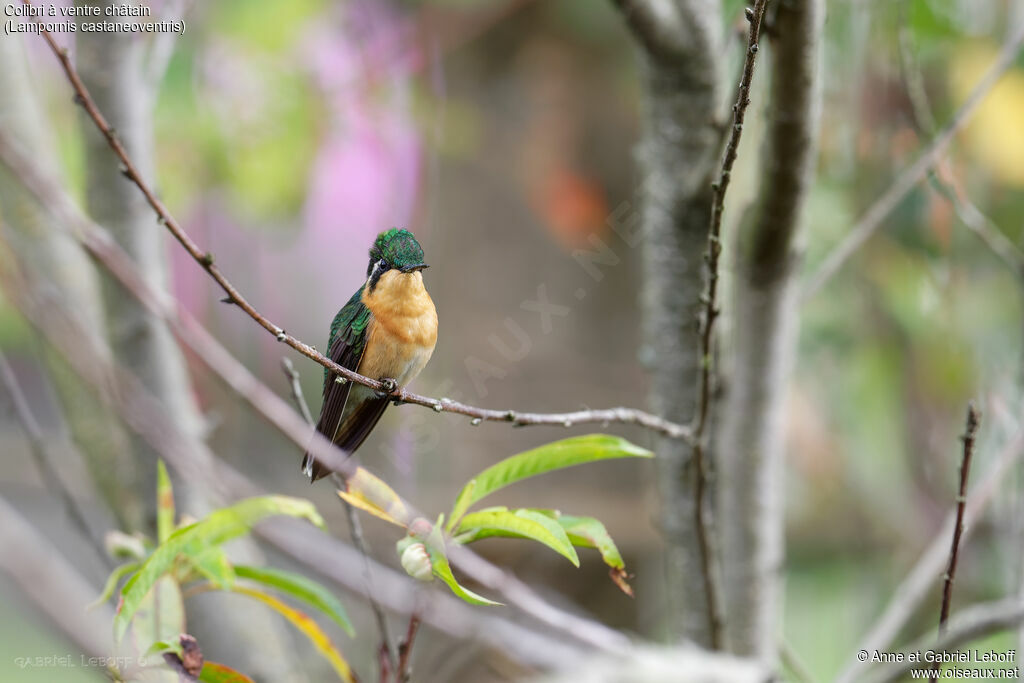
[[358, 540], [969, 435], [405, 649], [711, 312]]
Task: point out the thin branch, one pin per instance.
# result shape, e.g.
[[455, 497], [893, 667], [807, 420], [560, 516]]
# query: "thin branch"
[[970, 433], [295, 389], [241, 381], [914, 588], [924, 121], [405, 649], [384, 663], [656, 25], [983, 227], [161, 48], [355, 527], [712, 590], [44, 464], [795, 663], [359, 541], [399, 395], [873, 217], [966, 625]]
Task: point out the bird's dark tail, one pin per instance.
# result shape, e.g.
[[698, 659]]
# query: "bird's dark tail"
[[313, 469]]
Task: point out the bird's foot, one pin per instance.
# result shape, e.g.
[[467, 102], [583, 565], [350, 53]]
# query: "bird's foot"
[[388, 387]]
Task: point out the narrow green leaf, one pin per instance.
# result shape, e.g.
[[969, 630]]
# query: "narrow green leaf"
[[164, 503], [588, 532], [443, 570], [300, 588], [112, 581], [523, 523], [219, 673], [217, 528], [161, 646], [213, 563], [560, 454], [309, 627]]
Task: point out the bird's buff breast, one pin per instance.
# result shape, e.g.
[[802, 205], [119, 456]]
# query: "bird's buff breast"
[[403, 331]]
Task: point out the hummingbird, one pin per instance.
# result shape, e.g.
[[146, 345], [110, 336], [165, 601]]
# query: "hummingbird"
[[386, 331]]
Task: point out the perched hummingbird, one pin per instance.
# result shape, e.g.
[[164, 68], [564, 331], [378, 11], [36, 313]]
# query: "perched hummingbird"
[[386, 331]]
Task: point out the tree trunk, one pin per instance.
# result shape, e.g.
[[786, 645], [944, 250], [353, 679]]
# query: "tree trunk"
[[58, 267], [681, 54], [111, 68], [750, 443]]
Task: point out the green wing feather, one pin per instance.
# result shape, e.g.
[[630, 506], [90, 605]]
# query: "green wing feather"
[[347, 425], [350, 323]]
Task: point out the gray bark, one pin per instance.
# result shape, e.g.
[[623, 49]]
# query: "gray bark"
[[60, 269], [681, 51], [111, 67], [750, 441]]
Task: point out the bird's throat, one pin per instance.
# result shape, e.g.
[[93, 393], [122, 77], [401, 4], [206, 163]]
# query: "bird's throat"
[[400, 303], [403, 327]]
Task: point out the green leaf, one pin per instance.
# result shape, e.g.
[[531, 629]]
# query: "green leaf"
[[219, 673], [160, 615], [309, 627], [588, 532], [112, 581], [161, 646], [164, 503], [213, 563], [523, 523], [219, 527], [300, 588], [443, 570], [553, 456]]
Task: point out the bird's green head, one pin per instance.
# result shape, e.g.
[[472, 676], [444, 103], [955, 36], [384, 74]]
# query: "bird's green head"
[[395, 249]]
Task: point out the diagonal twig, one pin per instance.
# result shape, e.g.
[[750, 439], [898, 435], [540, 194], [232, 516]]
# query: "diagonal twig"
[[233, 296], [43, 462], [872, 219], [969, 214]]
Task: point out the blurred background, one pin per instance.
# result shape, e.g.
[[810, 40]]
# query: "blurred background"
[[288, 134]]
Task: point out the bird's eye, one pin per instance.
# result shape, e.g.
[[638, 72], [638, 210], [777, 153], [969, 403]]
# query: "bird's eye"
[[382, 265]]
